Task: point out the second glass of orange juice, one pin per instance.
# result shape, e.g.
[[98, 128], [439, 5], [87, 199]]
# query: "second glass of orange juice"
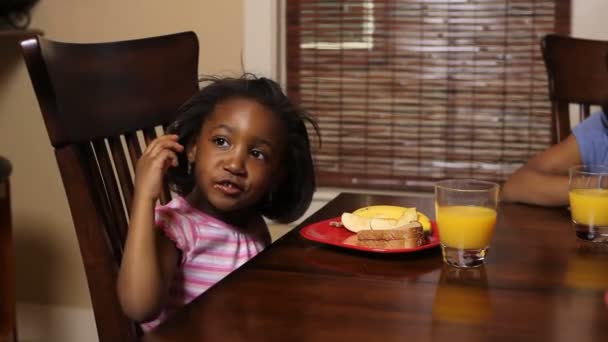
[[589, 201], [465, 210]]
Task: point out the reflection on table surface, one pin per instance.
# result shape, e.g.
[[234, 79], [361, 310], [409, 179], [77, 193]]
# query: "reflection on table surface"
[[588, 267], [462, 296]]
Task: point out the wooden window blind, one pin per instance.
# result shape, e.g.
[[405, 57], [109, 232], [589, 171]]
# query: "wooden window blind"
[[407, 92]]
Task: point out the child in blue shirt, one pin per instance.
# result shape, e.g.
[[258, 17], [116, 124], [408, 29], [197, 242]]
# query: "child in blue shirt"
[[543, 180], [592, 139]]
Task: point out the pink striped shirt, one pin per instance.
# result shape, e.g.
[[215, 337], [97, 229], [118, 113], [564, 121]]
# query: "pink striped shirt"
[[210, 250]]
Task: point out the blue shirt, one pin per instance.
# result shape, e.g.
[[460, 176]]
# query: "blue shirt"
[[592, 139]]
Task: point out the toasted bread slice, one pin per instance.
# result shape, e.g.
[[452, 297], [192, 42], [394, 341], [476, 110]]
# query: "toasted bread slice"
[[408, 236], [392, 244], [411, 230]]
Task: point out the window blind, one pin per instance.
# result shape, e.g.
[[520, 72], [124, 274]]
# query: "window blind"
[[407, 92]]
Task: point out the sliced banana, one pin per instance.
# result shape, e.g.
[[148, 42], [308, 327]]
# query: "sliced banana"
[[379, 223], [409, 215], [354, 223], [394, 212]]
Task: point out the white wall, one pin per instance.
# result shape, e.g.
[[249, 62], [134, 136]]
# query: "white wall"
[[589, 19], [260, 38]]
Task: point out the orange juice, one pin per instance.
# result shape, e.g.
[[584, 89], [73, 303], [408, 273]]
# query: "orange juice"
[[589, 206], [465, 227]]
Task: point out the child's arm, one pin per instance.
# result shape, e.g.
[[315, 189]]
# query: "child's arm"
[[543, 180], [150, 259]]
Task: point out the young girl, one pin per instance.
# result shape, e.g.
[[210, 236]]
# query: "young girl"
[[239, 150]]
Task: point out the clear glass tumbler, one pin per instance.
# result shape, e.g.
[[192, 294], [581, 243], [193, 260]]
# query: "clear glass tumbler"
[[588, 193], [465, 210]]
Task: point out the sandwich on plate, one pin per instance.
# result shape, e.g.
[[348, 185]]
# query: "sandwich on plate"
[[385, 232]]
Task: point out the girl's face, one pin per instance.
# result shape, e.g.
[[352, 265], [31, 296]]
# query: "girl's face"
[[237, 155]]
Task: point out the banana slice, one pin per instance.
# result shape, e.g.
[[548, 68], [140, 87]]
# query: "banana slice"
[[409, 215], [393, 212], [355, 223], [388, 211], [380, 223]]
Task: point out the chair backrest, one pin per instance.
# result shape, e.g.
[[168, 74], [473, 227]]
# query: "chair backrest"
[[8, 312], [100, 102], [578, 73]]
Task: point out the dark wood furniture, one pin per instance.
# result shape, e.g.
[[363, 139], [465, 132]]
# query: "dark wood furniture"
[[94, 99], [578, 73], [8, 312], [21, 34], [539, 284]]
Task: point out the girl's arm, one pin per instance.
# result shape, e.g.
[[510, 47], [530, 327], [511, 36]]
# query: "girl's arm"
[[543, 180], [150, 259]]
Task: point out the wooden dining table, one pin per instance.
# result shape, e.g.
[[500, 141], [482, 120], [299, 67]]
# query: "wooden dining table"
[[539, 283]]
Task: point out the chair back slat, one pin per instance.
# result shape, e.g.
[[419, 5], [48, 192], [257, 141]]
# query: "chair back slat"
[[577, 71], [111, 189], [122, 170], [584, 111], [91, 168], [149, 135], [93, 236], [91, 95], [134, 147]]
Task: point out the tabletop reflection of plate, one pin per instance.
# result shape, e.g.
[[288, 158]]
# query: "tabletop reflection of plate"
[[325, 233]]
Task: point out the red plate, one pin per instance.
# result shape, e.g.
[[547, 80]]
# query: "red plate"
[[338, 236]]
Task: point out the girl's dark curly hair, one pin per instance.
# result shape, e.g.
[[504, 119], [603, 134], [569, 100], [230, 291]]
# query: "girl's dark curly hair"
[[294, 194]]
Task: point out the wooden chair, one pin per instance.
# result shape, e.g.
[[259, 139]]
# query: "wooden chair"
[[8, 312], [99, 102], [578, 73]]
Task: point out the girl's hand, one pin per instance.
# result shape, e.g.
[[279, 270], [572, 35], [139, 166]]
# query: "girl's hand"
[[153, 164]]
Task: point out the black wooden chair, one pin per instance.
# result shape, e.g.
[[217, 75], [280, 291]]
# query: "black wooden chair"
[[100, 102], [578, 73]]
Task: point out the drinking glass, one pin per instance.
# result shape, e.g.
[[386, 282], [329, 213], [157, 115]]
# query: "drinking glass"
[[588, 193], [465, 210]]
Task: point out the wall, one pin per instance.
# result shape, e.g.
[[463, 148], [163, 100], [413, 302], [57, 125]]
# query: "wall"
[[589, 19], [49, 270]]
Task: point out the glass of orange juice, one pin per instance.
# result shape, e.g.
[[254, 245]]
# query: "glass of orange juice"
[[588, 193], [465, 210]]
